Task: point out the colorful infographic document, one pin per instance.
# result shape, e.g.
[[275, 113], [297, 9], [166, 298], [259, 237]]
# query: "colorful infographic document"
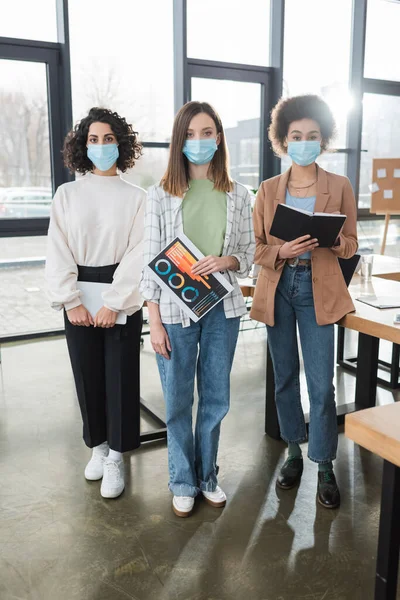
[[195, 294]]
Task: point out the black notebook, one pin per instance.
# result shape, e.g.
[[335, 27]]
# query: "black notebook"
[[290, 223]]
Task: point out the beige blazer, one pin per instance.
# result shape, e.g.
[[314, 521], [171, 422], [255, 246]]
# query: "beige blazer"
[[331, 297]]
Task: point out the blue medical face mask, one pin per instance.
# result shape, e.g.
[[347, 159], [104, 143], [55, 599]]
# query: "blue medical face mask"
[[103, 156], [200, 152], [304, 153]]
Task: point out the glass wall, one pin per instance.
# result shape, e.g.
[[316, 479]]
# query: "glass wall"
[[239, 106], [380, 137], [25, 176], [225, 31], [126, 67], [314, 61], [29, 20], [149, 168], [382, 40], [381, 111], [24, 305]]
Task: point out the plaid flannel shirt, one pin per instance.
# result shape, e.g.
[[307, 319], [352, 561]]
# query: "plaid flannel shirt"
[[163, 222]]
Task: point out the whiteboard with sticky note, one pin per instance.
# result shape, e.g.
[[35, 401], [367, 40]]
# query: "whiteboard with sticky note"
[[385, 186]]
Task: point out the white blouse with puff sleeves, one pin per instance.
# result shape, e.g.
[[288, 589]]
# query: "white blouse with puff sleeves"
[[96, 221]]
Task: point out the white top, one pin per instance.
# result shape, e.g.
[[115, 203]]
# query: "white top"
[[96, 221]]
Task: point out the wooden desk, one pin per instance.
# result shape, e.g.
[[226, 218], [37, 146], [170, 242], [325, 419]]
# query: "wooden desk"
[[248, 286], [369, 320], [372, 324], [378, 430]]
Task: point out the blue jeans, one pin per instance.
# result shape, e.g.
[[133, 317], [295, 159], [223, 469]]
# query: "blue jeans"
[[294, 303], [210, 346]]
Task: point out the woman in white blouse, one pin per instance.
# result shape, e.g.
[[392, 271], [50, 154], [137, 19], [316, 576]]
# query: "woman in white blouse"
[[95, 235]]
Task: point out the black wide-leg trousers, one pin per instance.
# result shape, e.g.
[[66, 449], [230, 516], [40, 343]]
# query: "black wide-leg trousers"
[[106, 368]]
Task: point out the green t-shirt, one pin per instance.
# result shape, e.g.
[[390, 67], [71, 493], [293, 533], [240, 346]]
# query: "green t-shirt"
[[204, 216]]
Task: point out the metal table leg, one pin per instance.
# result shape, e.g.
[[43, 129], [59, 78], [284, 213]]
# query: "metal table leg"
[[367, 370], [350, 363], [155, 434], [340, 344]]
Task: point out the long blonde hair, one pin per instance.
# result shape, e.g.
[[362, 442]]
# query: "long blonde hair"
[[176, 178]]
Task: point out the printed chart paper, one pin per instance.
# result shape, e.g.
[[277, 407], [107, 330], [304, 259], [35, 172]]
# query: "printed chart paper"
[[196, 295]]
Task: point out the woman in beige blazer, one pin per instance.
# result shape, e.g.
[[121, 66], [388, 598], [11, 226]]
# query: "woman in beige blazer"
[[301, 285]]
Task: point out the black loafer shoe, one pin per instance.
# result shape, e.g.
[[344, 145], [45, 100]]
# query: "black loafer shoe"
[[328, 491], [290, 474]]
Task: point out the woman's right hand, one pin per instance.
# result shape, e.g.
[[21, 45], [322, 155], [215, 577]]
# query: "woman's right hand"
[[160, 340], [80, 316], [297, 247]]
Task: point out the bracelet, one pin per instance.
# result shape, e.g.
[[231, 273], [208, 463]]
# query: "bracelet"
[[237, 263]]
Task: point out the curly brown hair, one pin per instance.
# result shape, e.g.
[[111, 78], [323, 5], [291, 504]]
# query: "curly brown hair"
[[296, 108], [75, 151]]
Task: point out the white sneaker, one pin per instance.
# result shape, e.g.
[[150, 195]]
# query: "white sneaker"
[[113, 483], [94, 468], [216, 498], [182, 505]]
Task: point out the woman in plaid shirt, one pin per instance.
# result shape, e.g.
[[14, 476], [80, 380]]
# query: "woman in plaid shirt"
[[197, 197]]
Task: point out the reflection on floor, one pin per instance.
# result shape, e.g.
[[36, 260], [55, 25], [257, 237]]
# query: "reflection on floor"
[[60, 540]]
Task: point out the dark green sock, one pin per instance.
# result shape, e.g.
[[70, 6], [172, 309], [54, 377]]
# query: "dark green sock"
[[325, 467], [294, 450]]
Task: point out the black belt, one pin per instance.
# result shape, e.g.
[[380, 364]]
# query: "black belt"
[[97, 274]]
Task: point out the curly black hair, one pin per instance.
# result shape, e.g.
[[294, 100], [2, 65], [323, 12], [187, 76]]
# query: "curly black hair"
[[75, 151], [296, 108]]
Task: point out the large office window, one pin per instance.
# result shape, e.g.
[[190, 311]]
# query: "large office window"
[[126, 63], [24, 305], [26, 19], [380, 137], [229, 31], [239, 105], [149, 168], [382, 40], [317, 59], [25, 175]]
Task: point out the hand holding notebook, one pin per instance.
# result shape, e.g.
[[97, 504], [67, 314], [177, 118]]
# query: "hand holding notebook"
[[291, 223], [92, 298]]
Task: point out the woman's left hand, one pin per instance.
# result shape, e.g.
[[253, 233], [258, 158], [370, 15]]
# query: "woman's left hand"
[[214, 264], [105, 318]]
